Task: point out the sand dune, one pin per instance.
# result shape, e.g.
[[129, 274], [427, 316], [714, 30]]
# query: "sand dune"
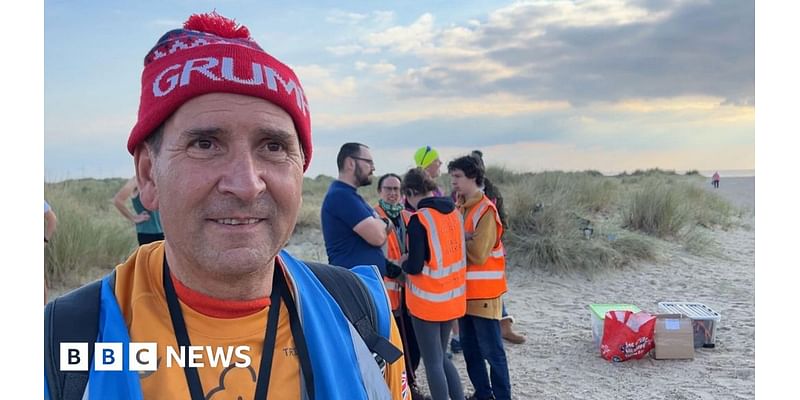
[[560, 361]]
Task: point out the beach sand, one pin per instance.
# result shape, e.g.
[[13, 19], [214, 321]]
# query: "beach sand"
[[559, 359]]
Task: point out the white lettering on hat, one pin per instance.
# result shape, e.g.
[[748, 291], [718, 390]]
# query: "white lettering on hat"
[[205, 65], [173, 81], [211, 62], [227, 73], [290, 87], [271, 74]]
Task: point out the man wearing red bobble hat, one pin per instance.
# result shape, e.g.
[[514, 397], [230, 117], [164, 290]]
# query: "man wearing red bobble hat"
[[218, 310]]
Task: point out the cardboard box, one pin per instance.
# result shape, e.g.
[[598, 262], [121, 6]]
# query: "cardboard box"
[[674, 337]]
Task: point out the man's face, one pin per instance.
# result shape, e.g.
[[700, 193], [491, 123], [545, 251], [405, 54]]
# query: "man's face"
[[434, 170], [364, 167], [227, 182], [460, 182], [390, 190]]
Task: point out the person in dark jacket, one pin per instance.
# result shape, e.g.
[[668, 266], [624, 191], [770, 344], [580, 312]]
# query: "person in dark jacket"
[[436, 279]]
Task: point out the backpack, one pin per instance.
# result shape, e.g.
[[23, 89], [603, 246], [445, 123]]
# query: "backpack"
[[76, 315]]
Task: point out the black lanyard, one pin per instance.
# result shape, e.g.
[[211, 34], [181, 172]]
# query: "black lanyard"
[[280, 291]]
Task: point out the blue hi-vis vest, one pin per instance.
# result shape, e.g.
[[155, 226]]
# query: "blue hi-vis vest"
[[332, 341]]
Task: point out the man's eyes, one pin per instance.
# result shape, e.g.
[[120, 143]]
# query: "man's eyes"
[[275, 146], [204, 144]]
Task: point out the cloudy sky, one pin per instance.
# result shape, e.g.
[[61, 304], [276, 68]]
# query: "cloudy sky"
[[538, 85]]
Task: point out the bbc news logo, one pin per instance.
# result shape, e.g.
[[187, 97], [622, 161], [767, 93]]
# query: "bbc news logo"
[[143, 356]]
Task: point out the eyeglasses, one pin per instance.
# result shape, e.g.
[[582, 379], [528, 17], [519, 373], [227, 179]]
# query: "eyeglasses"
[[367, 160], [391, 189]]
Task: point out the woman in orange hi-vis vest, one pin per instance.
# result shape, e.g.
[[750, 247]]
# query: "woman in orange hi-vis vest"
[[436, 281], [481, 338], [390, 206]]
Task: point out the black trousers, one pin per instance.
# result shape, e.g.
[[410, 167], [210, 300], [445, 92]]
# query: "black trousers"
[[410, 345]]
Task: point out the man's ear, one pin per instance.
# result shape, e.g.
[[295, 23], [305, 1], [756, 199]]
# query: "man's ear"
[[144, 161]]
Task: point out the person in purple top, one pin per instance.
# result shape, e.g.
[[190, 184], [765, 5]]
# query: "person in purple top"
[[715, 180]]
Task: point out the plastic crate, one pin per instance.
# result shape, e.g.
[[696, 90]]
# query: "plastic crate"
[[599, 311], [704, 320]]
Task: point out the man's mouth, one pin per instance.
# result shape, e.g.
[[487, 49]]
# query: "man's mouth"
[[237, 221]]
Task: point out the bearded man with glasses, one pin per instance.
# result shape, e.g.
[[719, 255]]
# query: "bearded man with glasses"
[[354, 233]]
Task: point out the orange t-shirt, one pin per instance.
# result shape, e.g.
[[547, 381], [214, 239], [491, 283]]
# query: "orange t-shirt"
[[140, 294]]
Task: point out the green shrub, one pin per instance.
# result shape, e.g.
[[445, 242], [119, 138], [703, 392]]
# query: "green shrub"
[[699, 243], [634, 247], [657, 209], [548, 212], [708, 209], [91, 234]]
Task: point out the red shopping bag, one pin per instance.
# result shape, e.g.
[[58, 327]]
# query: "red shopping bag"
[[627, 335]]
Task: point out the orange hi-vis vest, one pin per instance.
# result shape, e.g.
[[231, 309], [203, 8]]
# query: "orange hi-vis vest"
[[393, 253], [438, 293], [487, 281]]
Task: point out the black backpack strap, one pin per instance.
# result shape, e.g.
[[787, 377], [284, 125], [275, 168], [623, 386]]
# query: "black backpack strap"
[[73, 317], [358, 306]]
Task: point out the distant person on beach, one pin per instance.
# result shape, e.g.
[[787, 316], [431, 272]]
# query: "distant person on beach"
[[221, 142], [390, 206], [148, 223], [353, 231], [436, 280], [493, 193], [481, 338], [50, 224], [715, 180]]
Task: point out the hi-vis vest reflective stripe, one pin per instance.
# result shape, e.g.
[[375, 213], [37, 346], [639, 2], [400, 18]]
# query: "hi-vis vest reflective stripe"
[[393, 253], [486, 281], [438, 293]]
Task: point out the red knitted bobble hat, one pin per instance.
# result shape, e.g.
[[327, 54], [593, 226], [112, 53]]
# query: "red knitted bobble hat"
[[213, 54]]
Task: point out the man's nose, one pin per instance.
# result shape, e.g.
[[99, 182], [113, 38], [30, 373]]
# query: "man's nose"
[[243, 177]]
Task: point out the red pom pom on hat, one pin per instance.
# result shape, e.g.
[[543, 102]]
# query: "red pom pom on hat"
[[218, 25]]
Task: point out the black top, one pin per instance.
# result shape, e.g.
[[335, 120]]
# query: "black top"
[[418, 251]]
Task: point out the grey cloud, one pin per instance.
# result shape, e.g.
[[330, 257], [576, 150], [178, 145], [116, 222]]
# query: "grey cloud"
[[699, 49], [473, 131], [582, 128]]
